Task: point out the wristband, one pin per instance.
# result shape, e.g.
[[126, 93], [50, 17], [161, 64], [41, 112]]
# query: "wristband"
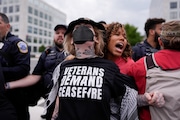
[[7, 85]]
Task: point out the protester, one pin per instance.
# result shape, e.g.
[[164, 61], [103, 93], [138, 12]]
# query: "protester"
[[7, 110], [118, 49], [86, 81], [15, 60], [150, 44], [162, 75], [46, 64]]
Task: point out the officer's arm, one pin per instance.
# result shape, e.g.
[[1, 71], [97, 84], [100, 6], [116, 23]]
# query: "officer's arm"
[[24, 82]]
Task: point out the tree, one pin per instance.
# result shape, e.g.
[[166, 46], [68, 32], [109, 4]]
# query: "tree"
[[133, 35], [42, 48]]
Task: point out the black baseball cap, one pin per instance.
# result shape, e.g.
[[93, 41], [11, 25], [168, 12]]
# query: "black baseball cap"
[[60, 26], [82, 34], [83, 20]]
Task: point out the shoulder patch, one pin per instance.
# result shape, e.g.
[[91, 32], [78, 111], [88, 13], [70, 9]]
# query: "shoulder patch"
[[23, 48]]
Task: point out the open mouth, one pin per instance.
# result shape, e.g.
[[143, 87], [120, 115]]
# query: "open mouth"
[[119, 45]]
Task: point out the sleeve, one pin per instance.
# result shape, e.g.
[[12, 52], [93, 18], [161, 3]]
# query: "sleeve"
[[2, 82], [21, 61], [54, 91], [135, 53], [39, 68], [118, 85], [120, 81]]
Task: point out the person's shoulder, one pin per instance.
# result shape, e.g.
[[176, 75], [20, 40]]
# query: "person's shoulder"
[[138, 45], [103, 60], [106, 62], [15, 39]]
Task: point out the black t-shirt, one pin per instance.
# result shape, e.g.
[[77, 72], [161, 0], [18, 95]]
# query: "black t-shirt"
[[86, 87]]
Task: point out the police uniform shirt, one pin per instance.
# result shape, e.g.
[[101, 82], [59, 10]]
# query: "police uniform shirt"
[[143, 49], [48, 60], [86, 87], [15, 58]]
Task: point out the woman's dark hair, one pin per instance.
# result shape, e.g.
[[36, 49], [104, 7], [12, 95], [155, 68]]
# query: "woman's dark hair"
[[112, 30]]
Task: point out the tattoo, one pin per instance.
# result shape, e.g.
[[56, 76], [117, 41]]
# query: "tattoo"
[[78, 53], [89, 51]]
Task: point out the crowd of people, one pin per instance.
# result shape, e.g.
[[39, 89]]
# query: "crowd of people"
[[93, 73]]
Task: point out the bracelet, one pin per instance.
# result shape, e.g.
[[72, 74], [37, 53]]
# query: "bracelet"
[[7, 85]]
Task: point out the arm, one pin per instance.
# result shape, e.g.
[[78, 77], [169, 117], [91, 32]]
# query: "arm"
[[24, 82], [56, 110]]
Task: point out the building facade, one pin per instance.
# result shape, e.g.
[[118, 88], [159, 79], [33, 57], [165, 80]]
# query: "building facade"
[[33, 21], [167, 9]]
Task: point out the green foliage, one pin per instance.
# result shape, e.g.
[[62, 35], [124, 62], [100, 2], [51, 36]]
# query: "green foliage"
[[42, 48], [133, 35]]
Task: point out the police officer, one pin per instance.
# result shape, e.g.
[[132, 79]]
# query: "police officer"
[[47, 62], [150, 45], [15, 60]]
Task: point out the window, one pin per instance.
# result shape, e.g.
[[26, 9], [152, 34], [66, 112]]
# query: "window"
[[35, 30], [41, 23], [40, 40], [40, 32], [29, 19], [49, 26], [45, 24], [35, 49], [49, 34], [45, 33], [16, 18], [29, 29], [35, 21], [49, 42], [16, 28], [173, 5], [45, 16], [10, 19], [17, 8], [36, 12], [10, 9], [50, 18], [173, 15], [28, 39], [30, 10], [35, 40], [4, 9], [41, 15], [45, 41]]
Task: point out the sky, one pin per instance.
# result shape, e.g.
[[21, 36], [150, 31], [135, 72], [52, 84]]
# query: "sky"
[[133, 12]]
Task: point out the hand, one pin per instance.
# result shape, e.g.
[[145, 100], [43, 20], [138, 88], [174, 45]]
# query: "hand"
[[155, 98], [54, 117]]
